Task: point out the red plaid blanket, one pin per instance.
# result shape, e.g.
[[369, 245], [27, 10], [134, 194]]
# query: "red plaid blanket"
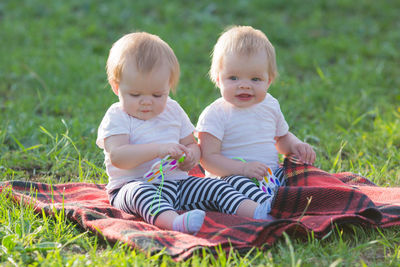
[[313, 200]]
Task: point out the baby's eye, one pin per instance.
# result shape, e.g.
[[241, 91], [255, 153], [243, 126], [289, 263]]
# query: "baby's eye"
[[255, 79], [156, 95], [134, 95], [233, 78]]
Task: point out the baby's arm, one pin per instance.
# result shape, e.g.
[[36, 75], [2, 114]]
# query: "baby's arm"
[[290, 144], [193, 156], [214, 162], [124, 155]]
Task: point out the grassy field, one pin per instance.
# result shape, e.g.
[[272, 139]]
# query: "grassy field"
[[339, 88]]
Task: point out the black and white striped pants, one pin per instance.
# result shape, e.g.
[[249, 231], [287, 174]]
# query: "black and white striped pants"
[[249, 189], [140, 198], [209, 194]]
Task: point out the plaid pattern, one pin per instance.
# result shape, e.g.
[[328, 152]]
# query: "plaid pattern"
[[313, 200]]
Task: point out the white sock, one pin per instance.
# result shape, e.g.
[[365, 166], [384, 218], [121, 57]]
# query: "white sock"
[[263, 210], [189, 222]]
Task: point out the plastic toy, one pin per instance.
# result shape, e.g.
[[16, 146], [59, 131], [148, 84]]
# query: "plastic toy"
[[162, 167], [269, 184], [157, 171]]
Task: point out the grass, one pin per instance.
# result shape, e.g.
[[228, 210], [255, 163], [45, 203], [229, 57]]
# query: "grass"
[[339, 88]]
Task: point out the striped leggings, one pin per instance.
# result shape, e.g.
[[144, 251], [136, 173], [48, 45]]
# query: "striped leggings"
[[209, 194], [249, 189], [140, 198]]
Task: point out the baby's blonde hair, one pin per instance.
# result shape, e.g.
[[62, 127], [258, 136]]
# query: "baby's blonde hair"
[[144, 49], [244, 40]]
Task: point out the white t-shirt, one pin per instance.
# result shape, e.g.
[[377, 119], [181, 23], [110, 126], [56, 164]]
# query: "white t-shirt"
[[168, 127], [247, 133]]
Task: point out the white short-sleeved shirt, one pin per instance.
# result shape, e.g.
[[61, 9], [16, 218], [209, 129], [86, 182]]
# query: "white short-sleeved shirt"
[[247, 133], [169, 126]]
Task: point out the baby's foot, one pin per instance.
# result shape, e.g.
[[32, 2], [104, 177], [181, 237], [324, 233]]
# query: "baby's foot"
[[263, 210], [189, 222]]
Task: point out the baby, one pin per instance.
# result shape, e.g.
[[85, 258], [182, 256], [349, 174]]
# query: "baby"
[[246, 123], [146, 125]]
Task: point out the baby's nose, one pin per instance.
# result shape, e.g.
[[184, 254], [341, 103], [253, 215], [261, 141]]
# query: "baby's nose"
[[146, 101], [244, 85]]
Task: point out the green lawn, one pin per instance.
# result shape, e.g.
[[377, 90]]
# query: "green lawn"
[[339, 88]]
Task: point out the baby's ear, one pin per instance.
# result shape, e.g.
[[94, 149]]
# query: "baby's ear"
[[217, 81], [115, 87]]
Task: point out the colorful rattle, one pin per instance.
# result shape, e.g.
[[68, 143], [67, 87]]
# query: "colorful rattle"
[[161, 167], [268, 184], [158, 170]]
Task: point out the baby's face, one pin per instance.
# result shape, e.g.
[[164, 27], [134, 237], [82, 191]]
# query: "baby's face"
[[243, 80], [144, 95]]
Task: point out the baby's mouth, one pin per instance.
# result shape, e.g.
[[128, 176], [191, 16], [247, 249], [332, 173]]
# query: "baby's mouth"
[[244, 96]]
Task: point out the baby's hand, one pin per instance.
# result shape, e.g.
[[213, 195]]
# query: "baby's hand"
[[174, 150], [304, 152], [189, 161], [255, 169]]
